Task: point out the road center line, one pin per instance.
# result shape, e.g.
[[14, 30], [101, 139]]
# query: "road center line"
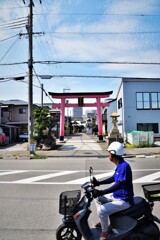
[[42, 177]]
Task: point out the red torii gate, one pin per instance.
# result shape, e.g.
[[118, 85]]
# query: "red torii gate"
[[63, 104]]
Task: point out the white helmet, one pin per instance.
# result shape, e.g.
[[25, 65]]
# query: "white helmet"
[[116, 148]]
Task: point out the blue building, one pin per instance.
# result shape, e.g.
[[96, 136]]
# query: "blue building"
[[138, 104]]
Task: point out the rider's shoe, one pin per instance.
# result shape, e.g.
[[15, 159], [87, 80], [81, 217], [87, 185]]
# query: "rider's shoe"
[[104, 236]]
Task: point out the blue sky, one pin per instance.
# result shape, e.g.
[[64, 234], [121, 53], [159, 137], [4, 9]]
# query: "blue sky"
[[78, 30]]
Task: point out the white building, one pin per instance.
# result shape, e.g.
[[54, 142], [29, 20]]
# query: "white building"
[[138, 104]]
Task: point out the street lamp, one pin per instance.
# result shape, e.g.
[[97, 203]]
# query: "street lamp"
[[64, 89]]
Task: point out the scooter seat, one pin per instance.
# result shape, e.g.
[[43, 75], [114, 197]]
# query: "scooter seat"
[[139, 207]]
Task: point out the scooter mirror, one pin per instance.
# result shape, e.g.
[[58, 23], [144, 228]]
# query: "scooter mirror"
[[90, 171]]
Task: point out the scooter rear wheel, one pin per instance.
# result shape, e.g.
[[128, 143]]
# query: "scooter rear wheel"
[[68, 233], [148, 231]]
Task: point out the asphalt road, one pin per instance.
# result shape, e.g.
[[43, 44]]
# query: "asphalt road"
[[30, 189]]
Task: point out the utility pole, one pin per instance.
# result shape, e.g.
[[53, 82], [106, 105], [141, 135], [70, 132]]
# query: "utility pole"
[[29, 28], [30, 77], [42, 95]]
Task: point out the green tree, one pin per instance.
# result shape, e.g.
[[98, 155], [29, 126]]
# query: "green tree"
[[40, 122], [43, 124]]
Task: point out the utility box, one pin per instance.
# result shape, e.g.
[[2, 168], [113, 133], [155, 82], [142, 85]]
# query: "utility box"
[[140, 138]]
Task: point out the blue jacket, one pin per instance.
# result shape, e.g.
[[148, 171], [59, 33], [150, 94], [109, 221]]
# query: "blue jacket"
[[123, 186]]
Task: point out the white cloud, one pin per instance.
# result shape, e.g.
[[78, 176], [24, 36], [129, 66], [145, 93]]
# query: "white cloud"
[[132, 6], [89, 47], [9, 11], [106, 46]]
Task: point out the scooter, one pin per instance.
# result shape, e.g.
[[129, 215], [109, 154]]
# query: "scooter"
[[134, 223]]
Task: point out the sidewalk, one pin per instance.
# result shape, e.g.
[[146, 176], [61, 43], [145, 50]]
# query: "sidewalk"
[[134, 152], [80, 145]]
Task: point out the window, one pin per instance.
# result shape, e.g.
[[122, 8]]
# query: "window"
[[22, 111], [148, 127], [148, 100], [120, 103], [139, 100], [155, 100], [159, 100]]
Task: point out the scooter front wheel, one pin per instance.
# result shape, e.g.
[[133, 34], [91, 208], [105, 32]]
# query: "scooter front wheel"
[[64, 232]]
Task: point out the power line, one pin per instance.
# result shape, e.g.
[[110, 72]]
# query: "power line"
[[10, 7], [12, 27], [86, 76], [23, 20], [9, 49], [80, 76], [42, 85], [58, 68], [100, 14], [9, 38], [48, 77], [1, 81], [105, 33], [95, 62], [82, 62], [9, 64], [43, 47], [14, 19]]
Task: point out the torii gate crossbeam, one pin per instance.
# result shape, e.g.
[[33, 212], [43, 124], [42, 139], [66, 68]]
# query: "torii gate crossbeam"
[[63, 104]]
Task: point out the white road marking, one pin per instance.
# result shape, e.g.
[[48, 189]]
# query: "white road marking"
[[151, 178], [148, 178], [59, 170], [12, 172], [36, 183], [86, 179], [42, 177]]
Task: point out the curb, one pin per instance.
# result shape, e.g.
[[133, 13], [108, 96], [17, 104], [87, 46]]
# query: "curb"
[[142, 156], [101, 156], [147, 156]]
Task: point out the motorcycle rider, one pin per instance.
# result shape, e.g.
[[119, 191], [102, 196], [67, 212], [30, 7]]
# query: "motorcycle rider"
[[117, 197]]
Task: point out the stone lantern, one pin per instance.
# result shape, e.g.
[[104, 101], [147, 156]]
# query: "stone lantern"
[[114, 134]]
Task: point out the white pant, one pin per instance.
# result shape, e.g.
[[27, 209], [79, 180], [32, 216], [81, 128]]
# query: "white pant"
[[107, 205]]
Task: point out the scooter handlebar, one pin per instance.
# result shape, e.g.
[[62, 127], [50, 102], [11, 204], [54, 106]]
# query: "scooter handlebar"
[[95, 182]]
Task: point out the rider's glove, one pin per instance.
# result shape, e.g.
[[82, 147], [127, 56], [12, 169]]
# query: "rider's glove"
[[95, 182], [96, 193]]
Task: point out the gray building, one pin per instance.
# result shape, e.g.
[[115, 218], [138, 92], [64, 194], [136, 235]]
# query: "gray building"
[[14, 118], [138, 104], [76, 113], [90, 114]]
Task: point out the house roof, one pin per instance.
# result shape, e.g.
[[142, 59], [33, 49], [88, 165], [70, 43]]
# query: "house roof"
[[140, 79], [130, 79], [16, 102], [81, 94]]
